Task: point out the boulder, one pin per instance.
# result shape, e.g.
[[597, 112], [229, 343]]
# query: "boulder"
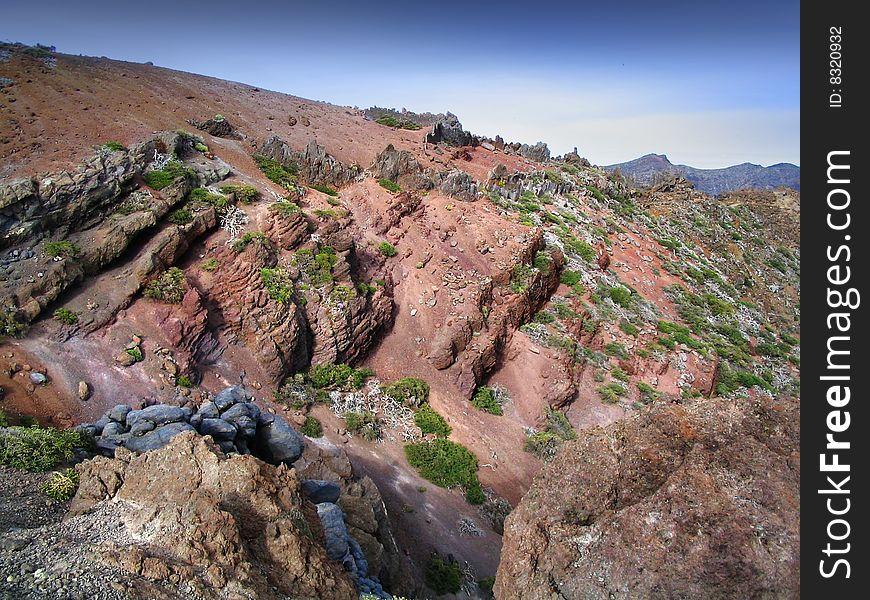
[[219, 429], [277, 442], [159, 414], [229, 396], [157, 438]]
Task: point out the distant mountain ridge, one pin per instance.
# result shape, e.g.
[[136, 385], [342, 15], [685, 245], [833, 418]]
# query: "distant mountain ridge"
[[650, 168]]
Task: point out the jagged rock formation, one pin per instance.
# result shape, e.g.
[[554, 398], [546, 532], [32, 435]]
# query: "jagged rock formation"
[[460, 185], [664, 505], [401, 167], [450, 132], [314, 164], [217, 524], [538, 152]]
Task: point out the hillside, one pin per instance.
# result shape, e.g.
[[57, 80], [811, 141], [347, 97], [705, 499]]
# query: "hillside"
[[436, 313], [653, 168]]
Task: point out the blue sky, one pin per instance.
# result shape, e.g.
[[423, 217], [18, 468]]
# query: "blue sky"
[[708, 83]]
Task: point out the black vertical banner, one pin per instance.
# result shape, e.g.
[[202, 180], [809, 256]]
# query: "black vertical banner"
[[835, 420]]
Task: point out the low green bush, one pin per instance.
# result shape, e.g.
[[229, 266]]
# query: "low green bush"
[[37, 449], [410, 391], [325, 189], [249, 237], [184, 381], [244, 193], [443, 577], [136, 353], [484, 399], [446, 464], [66, 316], [390, 186], [429, 421], [387, 249], [278, 284], [161, 178], [612, 392], [311, 427], [283, 175], [114, 146], [62, 486], [340, 376], [62, 248], [182, 216], [169, 287], [209, 265], [396, 123]]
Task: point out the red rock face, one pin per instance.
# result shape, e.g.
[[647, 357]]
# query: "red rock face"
[[667, 504]]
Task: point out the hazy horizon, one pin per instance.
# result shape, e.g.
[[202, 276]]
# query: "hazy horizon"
[[707, 85]]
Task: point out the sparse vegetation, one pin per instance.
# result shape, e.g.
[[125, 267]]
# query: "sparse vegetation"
[[611, 392], [169, 287], [182, 216], [66, 316], [200, 197], [113, 146], [544, 444], [184, 381], [249, 237], [62, 248], [285, 208], [136, 353], [390, 186], [209, 265]]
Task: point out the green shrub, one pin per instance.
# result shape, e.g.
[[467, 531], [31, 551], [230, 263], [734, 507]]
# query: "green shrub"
[[647, 392], [388, 185], [443, 577], [487, 583], [285, 208], [4, 419], [410, 391], [542, 260], [182, 216], [66, 316], [484, 399], [557, 423], [387, 249], [37, 449], [391, 121], [184, 381], [521, 275], [62, 248], [278, 284], [730, 380], [62, 486], [199, 197], [616, 349], [114, 146], [542, 444], [364, 424], [251, 236], [209, 265], [612, 392], [200, 147], [445, 463], [169, 287], [366, 289], [311, 427], [317, 268], [161, 178], [285, 176], [569, 277], [621, 295], [246, 194], [325, 189], [628, 327], [136, 353], [430, 421], [340, 376]]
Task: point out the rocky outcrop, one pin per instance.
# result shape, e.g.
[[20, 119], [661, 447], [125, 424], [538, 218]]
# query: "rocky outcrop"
[[538, 152], [449, 131], [365, 513], [219, 526], [460, 185], [401, 167], [314, 164], [231, 418], [217, 126], [665, 505]]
